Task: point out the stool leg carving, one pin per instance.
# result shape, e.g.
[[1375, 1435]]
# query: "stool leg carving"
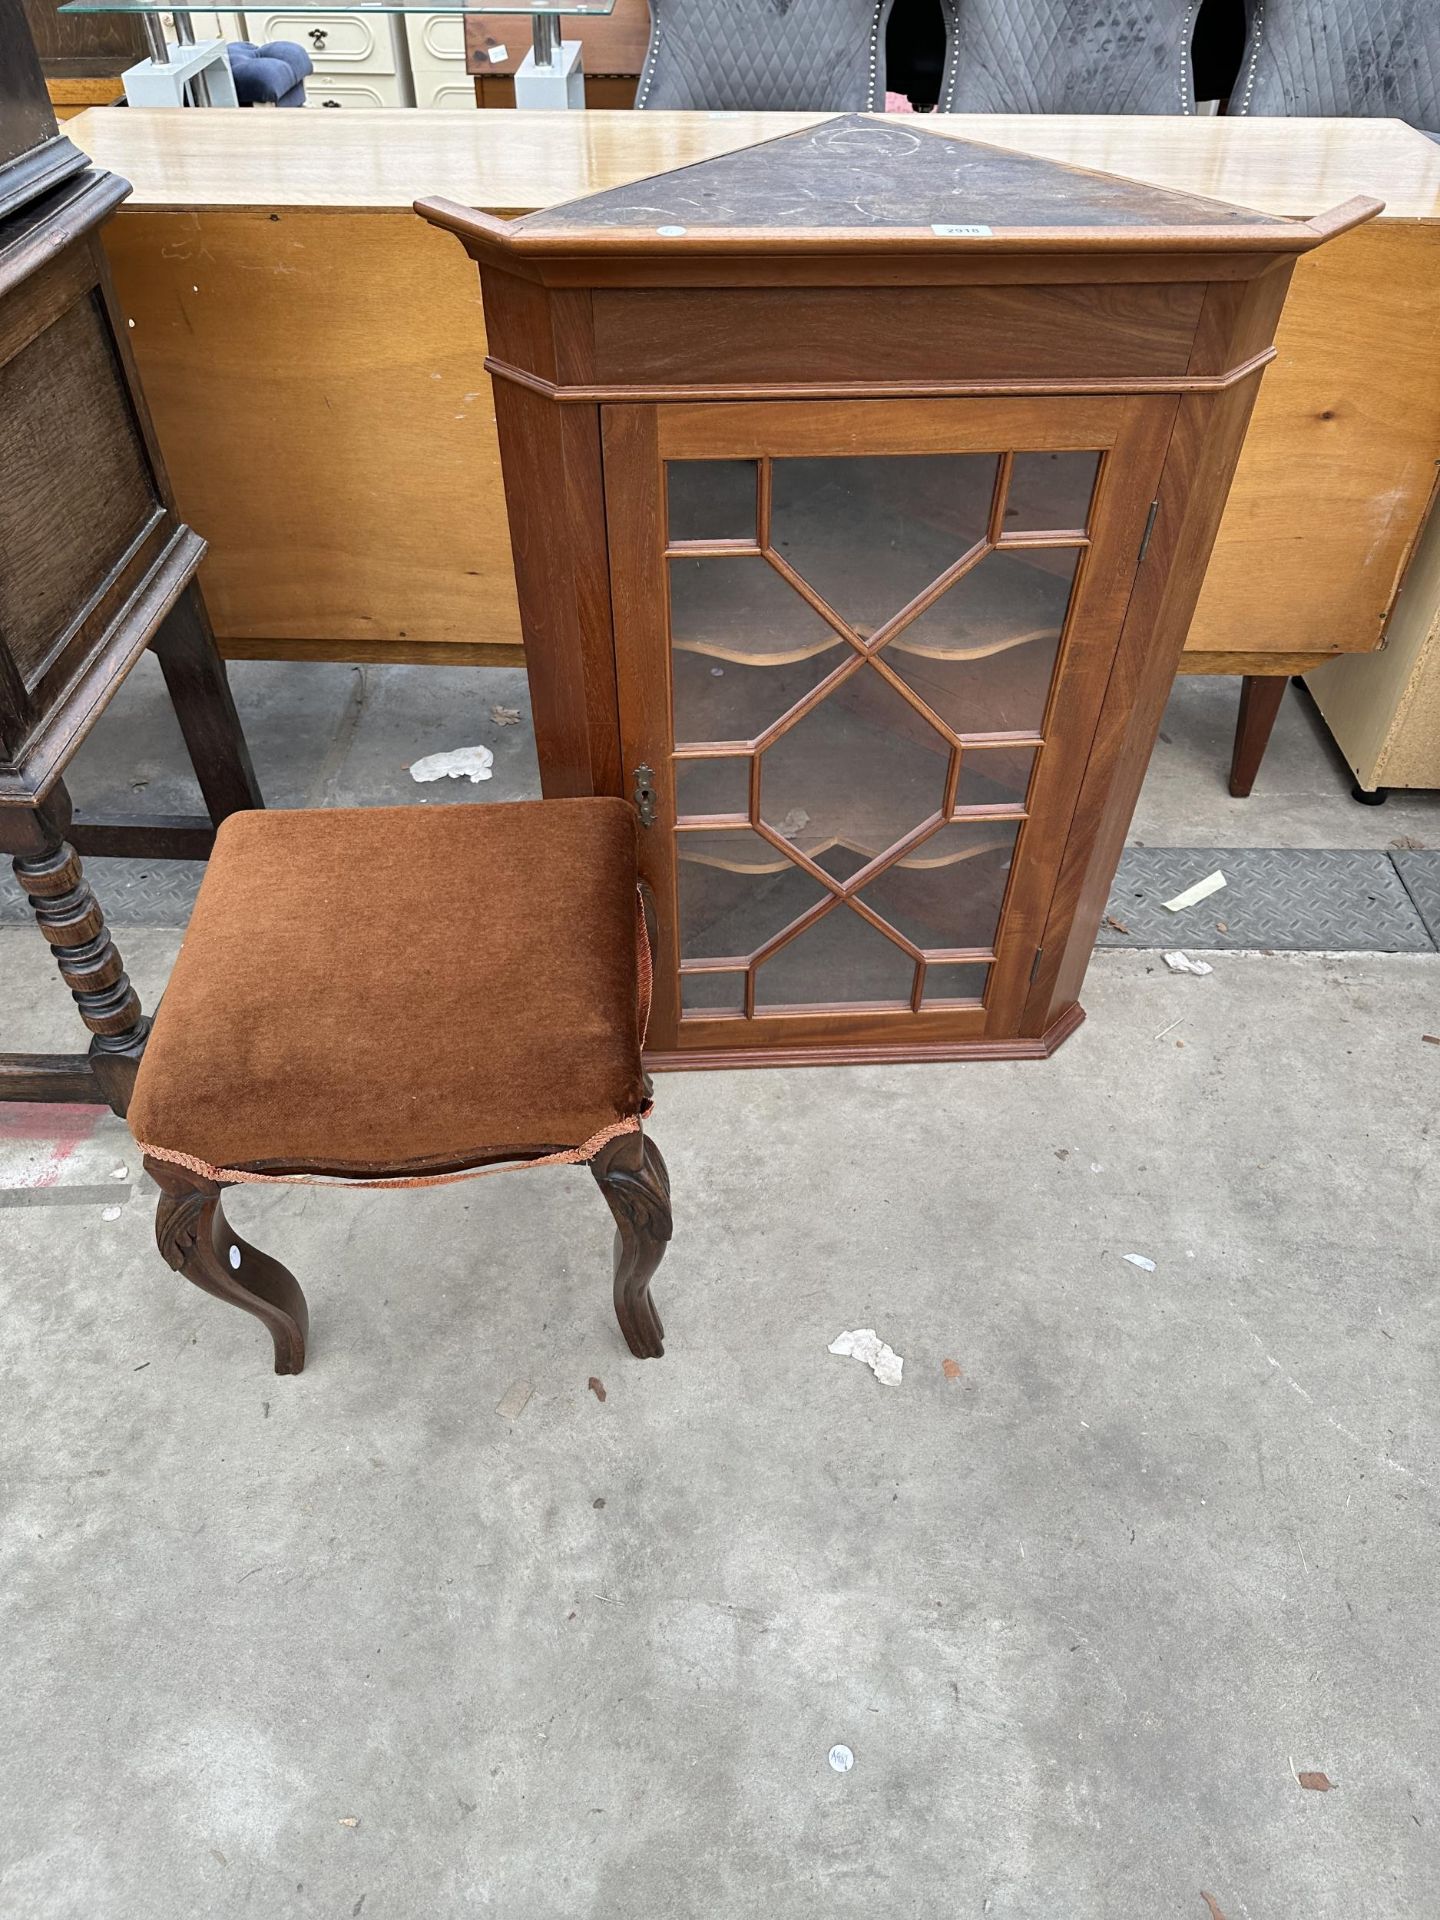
[[633, 1178], [70, 918], [197, 1240]]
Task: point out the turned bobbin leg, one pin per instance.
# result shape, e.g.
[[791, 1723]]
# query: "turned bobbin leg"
[[632, 1176], [69, 916], [197, 1240]]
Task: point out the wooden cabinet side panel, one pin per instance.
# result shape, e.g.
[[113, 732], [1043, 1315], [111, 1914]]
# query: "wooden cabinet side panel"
[[1200, 463], [1384, 712], [317, 380], [556, 510], [1332, 485], [1203, 449]]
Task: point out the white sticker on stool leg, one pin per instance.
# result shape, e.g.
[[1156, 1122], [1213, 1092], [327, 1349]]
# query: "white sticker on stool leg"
[[235, 1259]]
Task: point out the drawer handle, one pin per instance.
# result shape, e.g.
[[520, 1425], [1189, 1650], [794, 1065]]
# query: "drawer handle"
[[330, 103], [316, 37]]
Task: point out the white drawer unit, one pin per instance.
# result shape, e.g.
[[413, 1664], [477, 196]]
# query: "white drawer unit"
[[437, 40], [336, 42], [444, 91], [354, 90]]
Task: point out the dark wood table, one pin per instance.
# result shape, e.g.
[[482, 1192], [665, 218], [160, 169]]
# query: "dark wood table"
[[95, 566]]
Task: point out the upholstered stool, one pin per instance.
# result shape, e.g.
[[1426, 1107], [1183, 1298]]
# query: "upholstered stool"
[[404, 996]]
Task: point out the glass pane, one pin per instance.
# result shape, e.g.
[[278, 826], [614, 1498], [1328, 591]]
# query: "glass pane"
[[869, 534], [712, 786], [736, 892], [715, 700], [712, 993], [746, 647], [858, 772], [841, 863], [953, 980], [842, 958], [994, 776], [1050, 492], [712, 499], [984, 654], [948, 891], [737, 607]]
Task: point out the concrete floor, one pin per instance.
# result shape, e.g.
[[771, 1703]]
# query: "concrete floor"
[[361, 1643]]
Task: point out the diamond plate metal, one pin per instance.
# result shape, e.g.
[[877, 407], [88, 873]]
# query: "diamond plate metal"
[[132, 893], [1292, 900], [1420, 873]]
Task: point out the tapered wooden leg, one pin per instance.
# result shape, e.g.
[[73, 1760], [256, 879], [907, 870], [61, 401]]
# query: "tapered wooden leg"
[[636, 1186], [69, 916], [197, 1240], [200, 694], [1260, 697]]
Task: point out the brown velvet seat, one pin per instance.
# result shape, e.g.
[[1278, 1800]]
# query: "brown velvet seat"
[[397, 994]]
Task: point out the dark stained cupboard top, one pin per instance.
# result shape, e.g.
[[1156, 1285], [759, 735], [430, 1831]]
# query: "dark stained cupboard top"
[[861, 185], [858, 173]]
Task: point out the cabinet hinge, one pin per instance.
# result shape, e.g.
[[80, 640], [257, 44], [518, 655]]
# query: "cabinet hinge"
[[644, 790], [1035, 964], [1149, 529]]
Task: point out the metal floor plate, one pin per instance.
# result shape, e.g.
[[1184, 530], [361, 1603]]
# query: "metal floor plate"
[[1421, 875], [1285, 899], [1290, 899], [132, 893]]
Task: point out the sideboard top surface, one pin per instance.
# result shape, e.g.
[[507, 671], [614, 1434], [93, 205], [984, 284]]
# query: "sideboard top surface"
[[516, 162]]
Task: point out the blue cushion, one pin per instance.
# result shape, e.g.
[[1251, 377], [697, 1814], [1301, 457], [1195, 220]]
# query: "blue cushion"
[[271, 75]]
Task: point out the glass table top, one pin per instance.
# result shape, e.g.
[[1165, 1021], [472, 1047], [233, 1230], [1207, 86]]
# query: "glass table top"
[[520, 9]]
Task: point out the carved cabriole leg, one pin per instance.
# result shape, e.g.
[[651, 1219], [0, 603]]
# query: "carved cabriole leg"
[[196, 1240], [636, 1186], [70, 919]]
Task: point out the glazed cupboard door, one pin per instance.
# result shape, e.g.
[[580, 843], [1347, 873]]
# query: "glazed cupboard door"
[[862, 648]]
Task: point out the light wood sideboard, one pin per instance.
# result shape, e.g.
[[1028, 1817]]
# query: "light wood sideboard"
[[313, 354]]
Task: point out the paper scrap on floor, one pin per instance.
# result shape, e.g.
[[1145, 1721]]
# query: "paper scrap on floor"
[[1202, 889], [1182, 963], [863, 1343], [469, 763]]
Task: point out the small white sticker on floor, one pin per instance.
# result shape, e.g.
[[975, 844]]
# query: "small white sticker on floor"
[[863, 1343], [841, 1759], [1140, 1260]]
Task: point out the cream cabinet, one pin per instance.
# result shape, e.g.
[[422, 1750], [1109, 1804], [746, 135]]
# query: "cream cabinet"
[[437, 59], [333, 90], [361, 59], [348, 43]]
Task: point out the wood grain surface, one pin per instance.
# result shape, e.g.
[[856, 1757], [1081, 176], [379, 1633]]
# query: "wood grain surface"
[[350, 490]]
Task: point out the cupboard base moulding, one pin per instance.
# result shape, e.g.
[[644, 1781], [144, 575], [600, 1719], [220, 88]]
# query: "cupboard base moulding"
[[860, 1053]]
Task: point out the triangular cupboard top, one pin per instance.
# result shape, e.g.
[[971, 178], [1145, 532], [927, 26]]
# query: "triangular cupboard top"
[[858, 184]]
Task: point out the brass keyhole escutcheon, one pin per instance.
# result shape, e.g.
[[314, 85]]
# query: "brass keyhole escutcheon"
[[645, 796]]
